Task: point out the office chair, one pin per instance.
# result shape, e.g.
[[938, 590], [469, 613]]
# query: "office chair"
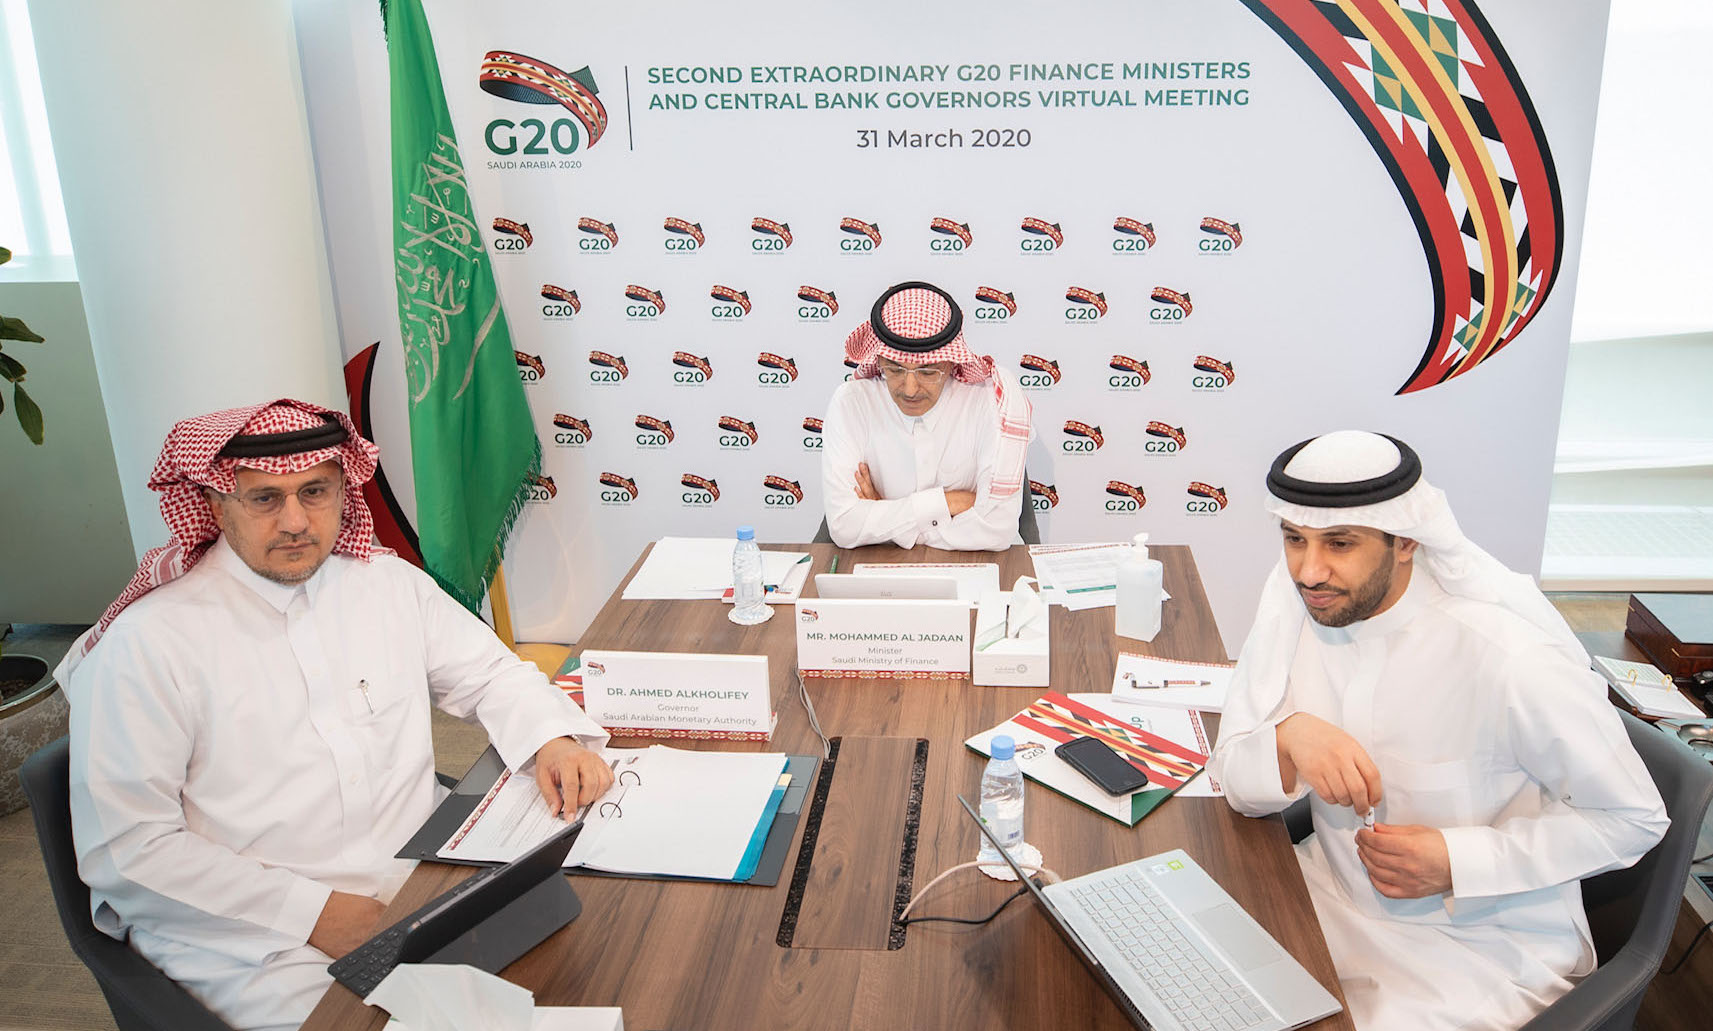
[[140, 996], [1027, 528], [1631, 912]]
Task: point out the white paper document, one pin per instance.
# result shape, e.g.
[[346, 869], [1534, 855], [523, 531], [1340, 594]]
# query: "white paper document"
[[691, 568], [1147, 680], [1080, 576], [974, 579], [670, 812]]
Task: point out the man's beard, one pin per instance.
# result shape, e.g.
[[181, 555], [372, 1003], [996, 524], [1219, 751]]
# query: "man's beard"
[[1361, 602]]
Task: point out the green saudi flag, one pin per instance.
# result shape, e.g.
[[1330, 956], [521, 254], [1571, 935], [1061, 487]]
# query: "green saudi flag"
[[473, 443]]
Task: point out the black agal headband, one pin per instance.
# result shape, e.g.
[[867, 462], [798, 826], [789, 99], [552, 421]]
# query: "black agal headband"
[[1349, 493], [293, 442], [916, 345]]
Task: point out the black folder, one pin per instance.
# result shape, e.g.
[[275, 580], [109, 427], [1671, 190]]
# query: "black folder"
[[451, 814]]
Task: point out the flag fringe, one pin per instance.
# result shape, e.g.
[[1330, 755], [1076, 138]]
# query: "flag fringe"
[[514, 510]]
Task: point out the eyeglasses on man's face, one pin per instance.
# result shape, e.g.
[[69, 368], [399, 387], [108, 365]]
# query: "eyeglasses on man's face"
[[928, 375], [265, 501]]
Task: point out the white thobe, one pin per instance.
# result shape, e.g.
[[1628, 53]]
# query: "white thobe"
[[242, 748], [913, 461], [1479, 728]]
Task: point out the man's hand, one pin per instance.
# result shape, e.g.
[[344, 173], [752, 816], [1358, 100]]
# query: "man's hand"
[[865, 484], [570, 775], [346, 922], [1405, 862], [1335, 767], [959, 501]]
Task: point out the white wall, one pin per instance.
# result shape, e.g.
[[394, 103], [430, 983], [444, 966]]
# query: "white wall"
[[183, 151]]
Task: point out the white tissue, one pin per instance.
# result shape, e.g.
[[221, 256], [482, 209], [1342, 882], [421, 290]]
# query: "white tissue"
[[1027, 612], [453, 997]]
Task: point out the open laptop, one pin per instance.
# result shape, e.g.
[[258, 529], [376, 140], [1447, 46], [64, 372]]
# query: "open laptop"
[[1173, 949], [486, 920], [855, 585]]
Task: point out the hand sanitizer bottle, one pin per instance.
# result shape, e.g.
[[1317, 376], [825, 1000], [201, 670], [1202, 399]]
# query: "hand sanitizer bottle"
[[1140, 592]]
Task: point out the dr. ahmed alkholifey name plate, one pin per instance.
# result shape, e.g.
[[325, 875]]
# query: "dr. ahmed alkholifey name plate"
[[678, 695], [838, 637]]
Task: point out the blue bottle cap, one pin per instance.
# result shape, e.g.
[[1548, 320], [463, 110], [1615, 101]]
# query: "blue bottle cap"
[[1002, 747], [746, 533]]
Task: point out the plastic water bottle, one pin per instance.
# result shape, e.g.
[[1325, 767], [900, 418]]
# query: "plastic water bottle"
[[747, 605], [1140, 593], [1001, 799]]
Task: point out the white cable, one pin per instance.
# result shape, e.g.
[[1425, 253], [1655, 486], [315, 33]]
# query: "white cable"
[[1052, 878], [814, 721]]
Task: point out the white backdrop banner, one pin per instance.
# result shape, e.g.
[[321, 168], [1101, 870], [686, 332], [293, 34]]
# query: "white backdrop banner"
[[1197, 233]]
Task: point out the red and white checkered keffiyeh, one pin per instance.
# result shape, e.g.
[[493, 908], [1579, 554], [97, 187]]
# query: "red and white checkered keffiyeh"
[[919, 313], [190, 460]]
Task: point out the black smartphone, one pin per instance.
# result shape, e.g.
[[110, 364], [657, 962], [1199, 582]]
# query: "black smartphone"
[[1095, 759]]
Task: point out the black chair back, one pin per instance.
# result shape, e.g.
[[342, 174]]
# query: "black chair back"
[[1632, 912], [140, 996]]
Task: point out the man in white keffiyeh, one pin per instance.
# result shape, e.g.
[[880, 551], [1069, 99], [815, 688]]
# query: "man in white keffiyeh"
[[925, 444], [250, 720], [1464, 768]]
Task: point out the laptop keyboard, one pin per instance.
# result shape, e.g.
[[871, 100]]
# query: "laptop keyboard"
[[1146, 934], [368, 964]]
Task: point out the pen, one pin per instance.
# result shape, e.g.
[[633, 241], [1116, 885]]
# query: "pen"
[[835, 566], [363, 686]]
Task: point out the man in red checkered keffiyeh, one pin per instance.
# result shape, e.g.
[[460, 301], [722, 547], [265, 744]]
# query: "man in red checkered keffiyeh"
[[250, 722], [926, 444], [204, 454]]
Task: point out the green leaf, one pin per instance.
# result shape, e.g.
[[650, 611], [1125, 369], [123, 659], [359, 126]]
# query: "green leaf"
[[29, 416], [10, 370], [14, 329]]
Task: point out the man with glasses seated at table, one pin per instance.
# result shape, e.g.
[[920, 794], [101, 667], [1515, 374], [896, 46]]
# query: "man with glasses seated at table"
[[925, 444], [250, 719]]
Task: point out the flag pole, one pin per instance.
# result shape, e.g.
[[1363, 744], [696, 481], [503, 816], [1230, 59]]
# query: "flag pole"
[[502, 608]]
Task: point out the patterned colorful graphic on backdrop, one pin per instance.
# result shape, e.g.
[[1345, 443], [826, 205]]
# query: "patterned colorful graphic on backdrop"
[[1446, 111]]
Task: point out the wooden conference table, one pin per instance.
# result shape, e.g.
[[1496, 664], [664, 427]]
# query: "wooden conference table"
[[686, 955]]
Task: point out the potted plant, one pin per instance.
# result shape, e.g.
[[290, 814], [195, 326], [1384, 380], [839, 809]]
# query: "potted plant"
[[29, 415], [33, 710]]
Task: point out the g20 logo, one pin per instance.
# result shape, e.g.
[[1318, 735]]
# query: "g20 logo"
[[570, 438], [562, 136], [604, 376], [689, 376]]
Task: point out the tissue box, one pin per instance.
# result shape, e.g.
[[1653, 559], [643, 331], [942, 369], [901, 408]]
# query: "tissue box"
[[1006, 661]]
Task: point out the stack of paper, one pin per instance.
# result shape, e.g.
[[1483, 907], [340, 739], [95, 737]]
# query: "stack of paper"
[[1646, 689], [1080, 576], [670, 813], [680, 568], [1168, 744]]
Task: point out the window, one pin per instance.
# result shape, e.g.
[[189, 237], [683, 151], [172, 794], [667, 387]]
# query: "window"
[[32, 212]]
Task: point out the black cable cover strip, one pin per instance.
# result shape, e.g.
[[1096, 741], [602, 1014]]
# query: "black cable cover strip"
[[907, 855], [806, 850]]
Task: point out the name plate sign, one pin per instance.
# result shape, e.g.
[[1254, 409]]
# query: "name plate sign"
[[672, 694], [839, 637]]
